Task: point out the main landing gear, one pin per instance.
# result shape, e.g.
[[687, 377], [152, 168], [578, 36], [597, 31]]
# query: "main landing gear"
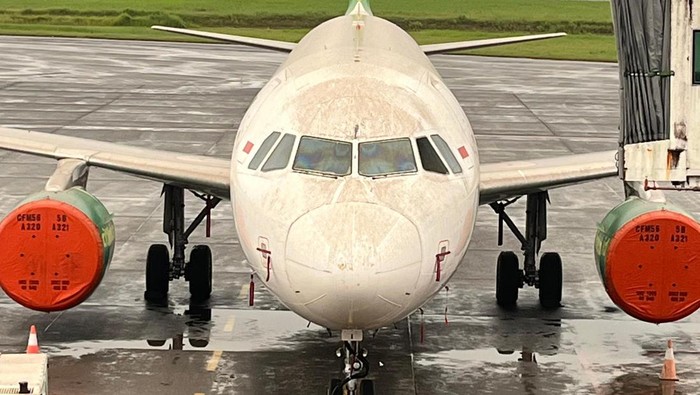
[[160, 269], [355, 368], [509, 277]]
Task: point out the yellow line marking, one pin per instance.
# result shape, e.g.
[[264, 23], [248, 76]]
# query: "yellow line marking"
[[229, 324], [214, 361], [199, 393], [244, 291]]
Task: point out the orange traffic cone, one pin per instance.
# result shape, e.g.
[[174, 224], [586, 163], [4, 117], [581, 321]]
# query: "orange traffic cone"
[[33, 343], [668, 372]]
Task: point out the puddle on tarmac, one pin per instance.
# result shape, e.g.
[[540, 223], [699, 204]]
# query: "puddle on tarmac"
[[211, 330], [462, 358]]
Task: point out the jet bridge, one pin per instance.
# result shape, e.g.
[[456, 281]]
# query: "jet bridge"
[[658, 44], [646, 247]]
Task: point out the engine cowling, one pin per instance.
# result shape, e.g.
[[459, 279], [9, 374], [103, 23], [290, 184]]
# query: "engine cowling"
[[56, 247], [648, 257]]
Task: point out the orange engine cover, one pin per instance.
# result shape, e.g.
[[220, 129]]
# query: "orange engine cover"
[[650, 262], [53, 254]]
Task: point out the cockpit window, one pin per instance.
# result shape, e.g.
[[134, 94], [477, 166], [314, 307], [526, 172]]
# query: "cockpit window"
[[446, 153], [264, 149], [323, 156], [381, 158], [431, 160], [279, 159]]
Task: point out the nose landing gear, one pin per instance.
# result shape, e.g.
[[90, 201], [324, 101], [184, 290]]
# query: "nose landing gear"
[[356, 368]]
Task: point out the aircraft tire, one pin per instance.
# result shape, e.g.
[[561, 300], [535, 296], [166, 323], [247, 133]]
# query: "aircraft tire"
[[367, 387], [199, 343], [332, 388], [507, 279], [550, 280], [199, 272], [157, 273]]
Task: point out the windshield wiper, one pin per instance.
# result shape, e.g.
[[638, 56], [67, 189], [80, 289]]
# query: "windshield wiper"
[[396, 174], [316, 173]]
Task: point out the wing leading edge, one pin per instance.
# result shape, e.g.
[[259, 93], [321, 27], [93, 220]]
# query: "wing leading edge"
[[508, 179], [198, 172], [275, 45], [432, 49]]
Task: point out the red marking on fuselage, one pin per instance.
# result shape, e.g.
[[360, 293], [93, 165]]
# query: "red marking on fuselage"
[[248, 147], [463, 152]]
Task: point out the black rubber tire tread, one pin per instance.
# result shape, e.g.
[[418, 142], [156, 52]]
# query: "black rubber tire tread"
[[198, 343], [157, 273], [367, 387], [334, 383], [200, 273], [550, 280], [507, 279]]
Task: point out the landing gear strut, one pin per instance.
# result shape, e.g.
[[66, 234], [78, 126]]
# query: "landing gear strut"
[[356, 368], [160, 269], [509, 277]]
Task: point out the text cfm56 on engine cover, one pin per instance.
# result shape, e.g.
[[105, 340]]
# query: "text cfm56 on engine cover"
[[56, 247], [648, 257]]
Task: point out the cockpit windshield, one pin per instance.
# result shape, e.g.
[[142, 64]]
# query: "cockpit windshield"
[[329, 157], [381, 158]]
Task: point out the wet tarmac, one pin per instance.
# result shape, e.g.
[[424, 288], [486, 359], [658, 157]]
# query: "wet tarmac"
[[190, 98]]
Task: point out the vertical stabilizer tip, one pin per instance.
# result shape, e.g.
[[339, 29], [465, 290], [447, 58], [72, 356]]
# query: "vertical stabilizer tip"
[[358, 7]]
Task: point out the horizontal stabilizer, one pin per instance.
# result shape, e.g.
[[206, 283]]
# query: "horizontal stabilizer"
[[488, 42], [250, 41]]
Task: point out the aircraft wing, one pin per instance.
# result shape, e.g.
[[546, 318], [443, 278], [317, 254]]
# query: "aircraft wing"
[[282, 46], [197, 172], [509, 179], [212, 175], [432, 49]]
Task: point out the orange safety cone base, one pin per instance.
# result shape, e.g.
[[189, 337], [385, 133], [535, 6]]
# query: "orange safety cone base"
[[668, 372]]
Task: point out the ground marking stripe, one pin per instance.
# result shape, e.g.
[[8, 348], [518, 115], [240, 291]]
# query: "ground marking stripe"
[[214, 361], [244, 291], [229, 324]]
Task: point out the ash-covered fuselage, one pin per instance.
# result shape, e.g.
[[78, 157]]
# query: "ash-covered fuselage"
[[355, 176]]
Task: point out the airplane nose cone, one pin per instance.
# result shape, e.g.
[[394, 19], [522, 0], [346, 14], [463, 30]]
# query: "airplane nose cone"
[[353, 265]]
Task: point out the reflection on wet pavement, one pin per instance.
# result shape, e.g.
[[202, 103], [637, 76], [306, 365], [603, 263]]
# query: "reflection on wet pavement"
[[190, 97]]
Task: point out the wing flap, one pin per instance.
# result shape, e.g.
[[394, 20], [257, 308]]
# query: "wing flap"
[[250, 41], [508, 179], [198, 172], [432, 49]]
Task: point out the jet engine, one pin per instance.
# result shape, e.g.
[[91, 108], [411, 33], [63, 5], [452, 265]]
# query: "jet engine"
[[55, 249], [648, 257]]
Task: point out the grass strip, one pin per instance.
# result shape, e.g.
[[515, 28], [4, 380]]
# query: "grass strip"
[[573, 47], [587, 22], [287, 21], [514, 10]]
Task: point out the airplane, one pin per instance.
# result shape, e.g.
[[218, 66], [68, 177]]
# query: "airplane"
[[354, 182]]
